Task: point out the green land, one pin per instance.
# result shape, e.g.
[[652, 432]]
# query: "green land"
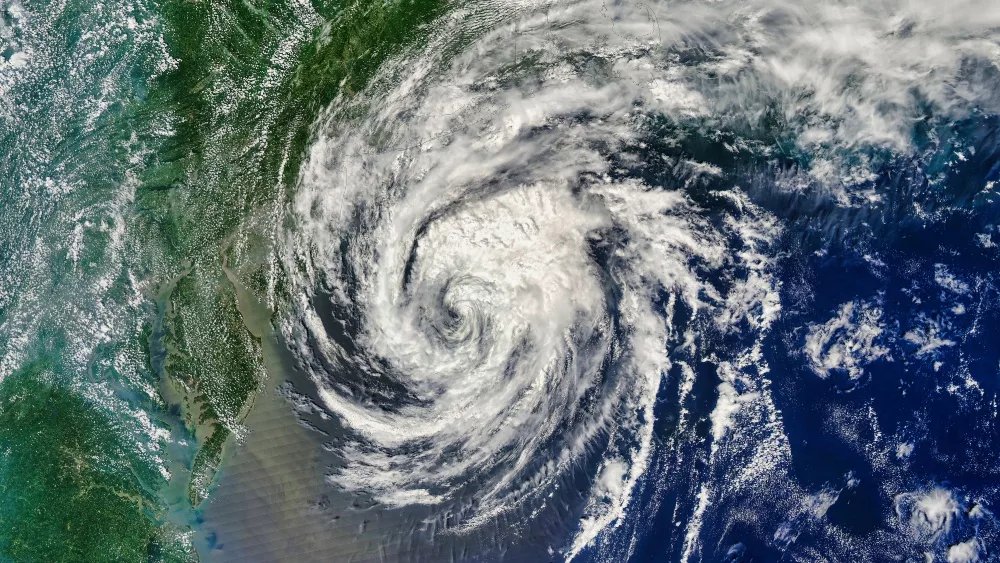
[[146, 147]]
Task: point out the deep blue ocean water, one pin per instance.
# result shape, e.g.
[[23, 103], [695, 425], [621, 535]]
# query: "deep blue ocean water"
[[926, 253]]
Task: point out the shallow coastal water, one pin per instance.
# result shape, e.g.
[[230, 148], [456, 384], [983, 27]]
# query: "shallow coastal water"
[[271, 480], [554, 280], [271, 501], [261, 507]]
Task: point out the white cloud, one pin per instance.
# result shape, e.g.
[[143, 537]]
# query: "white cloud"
[[848, 342]]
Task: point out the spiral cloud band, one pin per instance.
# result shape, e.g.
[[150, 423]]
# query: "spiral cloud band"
[[490, 290]]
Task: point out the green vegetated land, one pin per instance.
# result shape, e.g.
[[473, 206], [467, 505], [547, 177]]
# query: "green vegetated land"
[[69, 493], [223, 132]]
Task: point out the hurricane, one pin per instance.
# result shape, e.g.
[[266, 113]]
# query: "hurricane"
[[541, 280], [491, 281]]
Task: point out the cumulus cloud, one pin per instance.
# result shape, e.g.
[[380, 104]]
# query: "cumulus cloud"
[[927, 515], [847, 342]]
